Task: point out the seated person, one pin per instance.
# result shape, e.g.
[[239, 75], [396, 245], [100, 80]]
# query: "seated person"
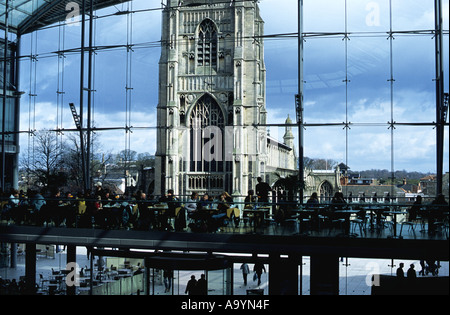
[[172, 204], [414, 210], [223, 205], [192, 204], [338, 202], [313, 200], [205, 203], [250, 200], [436, 213]]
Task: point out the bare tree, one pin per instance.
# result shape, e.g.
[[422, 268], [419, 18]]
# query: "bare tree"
[[46, 168], [319, 164], [74, 166]]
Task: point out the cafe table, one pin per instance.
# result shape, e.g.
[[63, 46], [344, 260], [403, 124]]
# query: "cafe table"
[[303, 215], [348, 213], [394, 214], [259, 214]]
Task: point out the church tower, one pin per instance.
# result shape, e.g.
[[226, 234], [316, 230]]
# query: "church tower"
[[211, 98]]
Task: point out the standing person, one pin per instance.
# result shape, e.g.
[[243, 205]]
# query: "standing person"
[[422, 265], [191, 286], [146, 216], [258, 269], [53, 206], [411, 273], [262, 190], [400, 273], [245, 271], [202, 286], [168, 276]]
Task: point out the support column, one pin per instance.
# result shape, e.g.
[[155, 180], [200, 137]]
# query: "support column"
[[3, 255], [13, 255], [71, 258], [283, 275], [324, 275], [30, 269]]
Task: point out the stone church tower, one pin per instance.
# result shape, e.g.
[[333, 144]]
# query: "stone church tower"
[[211, 98]]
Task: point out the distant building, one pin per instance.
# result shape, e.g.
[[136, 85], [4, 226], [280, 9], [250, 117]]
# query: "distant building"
[[363, 181], [370, 190], [428, 184], [212, 101], [324, 182]]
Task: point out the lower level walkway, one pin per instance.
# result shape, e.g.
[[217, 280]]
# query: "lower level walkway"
[[354, 273]]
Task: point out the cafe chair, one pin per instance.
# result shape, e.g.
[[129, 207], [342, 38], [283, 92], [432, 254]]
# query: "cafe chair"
[[439, 226], [339, 222], [411, 223], [233, 215], [291, 224], [361, 223], [271, 223], [42, 282]]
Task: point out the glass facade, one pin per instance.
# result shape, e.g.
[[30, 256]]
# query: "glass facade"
[[369, 80], [370, 100], [356, 275], [9, 122]]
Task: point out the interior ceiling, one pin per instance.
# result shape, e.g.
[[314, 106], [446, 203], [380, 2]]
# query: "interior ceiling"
[[25, 16]]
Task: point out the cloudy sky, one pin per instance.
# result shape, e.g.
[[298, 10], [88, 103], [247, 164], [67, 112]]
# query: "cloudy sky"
[[366, 100]]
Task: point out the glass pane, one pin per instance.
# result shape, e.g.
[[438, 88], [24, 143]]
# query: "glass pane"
[[363, 276], [327, 144], [413, 144], [324, 77], [368, 16], [369, 148], [368, 90], [414, 87], [324, 18], [217, 282], [413, 15]]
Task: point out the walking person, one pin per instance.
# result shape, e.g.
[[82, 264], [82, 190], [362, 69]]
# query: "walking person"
[[245, 271], [168, 277], [258, 269]]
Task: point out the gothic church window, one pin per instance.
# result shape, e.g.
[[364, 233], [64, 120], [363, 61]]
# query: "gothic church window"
[[326, 192], [206, 113], [207, 44]]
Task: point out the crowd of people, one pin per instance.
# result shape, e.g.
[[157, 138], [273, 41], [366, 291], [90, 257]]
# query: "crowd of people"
[[429, 266], [12, 287], [99, 207], [105, 209]]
